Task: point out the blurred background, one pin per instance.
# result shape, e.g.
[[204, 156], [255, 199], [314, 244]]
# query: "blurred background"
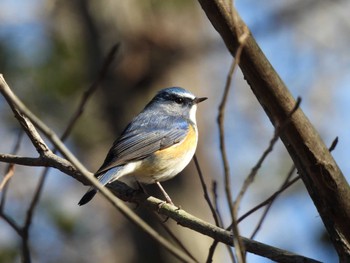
[[51, 51]]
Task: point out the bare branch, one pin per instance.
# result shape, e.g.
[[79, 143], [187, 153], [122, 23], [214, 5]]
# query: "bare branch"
[[287, 182], [173, 236], [20, 230], [255, 169], [9, 172], [50, 160], [187, 220], [205, 191], [331, 194], [91, 90], [25, 229], [215, 243], [235, 62], [284, 186], [19, 109], [269, 199], [11, 222], [217, 219], [8, 175]]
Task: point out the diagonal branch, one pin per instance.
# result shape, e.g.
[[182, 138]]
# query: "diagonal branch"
[[243, 34], [187, 220], [287, 182], [9, 173], [26, 117], [91, 90], [250, 178], [321, 175], [205, 191], [24, 231]]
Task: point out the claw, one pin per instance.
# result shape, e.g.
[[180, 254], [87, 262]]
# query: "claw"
[[160, 205]]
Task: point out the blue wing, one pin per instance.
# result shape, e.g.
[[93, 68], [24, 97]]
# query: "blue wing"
[[146, 134]]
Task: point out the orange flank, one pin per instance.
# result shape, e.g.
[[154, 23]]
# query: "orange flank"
[[178, 149]]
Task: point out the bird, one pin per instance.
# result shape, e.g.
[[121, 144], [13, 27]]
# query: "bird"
[[156, 145]]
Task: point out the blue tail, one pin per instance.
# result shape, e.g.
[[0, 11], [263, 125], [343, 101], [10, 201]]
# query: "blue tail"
[[104, 179], [87, 197]]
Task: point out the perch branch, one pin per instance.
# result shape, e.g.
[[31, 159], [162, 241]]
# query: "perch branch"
[[187, 220]]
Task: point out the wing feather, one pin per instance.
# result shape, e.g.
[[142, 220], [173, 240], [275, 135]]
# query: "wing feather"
[[142, 138]]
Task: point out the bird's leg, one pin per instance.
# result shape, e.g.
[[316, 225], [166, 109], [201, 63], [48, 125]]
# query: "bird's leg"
[[167, 197]]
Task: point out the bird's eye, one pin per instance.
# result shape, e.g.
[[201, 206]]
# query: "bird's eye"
[[179, 100]]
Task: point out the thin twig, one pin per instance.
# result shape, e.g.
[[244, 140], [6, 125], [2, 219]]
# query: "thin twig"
[[215, 242], [205, 191], [20, 110], [214, 211], [10, 168], [49, 160], [216, 202], [8, 176], [255, 169], [11, 222], [251, 176], [269, 199], [227, 179], [91, 90], [4, 187], [283, 187], [174, 237], [238, 245], [213, 246], [73, 120], [211, 252], [80, 109], [20, 230]]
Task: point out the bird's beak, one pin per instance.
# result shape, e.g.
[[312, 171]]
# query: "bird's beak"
[[198, 100]]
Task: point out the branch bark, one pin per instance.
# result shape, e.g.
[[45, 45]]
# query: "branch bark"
[[321, 175], [187, 220]]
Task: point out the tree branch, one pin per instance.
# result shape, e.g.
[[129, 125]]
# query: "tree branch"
[[321, 175], [49, 160], [243, 34], [185, 219]]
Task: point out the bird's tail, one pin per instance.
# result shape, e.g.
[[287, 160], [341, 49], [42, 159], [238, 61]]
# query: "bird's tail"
[[104, 179], [87, 196]]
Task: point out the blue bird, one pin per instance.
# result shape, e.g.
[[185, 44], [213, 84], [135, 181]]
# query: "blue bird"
[[156, 145]]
